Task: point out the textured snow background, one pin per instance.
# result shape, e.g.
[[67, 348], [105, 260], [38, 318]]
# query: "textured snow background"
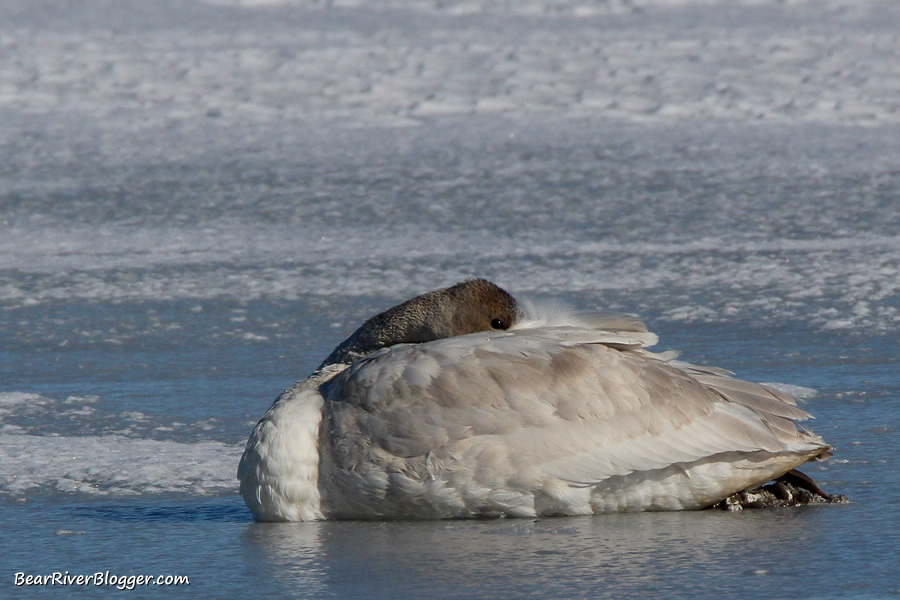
[[166, 150], [149, 64], [153, 63]]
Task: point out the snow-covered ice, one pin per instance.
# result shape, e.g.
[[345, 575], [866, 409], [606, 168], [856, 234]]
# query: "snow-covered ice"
[[134, 64]]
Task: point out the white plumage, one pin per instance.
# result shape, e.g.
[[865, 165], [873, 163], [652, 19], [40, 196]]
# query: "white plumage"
[[559, 414]]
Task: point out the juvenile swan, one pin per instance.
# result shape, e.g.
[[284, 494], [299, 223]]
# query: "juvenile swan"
[[462, 403]]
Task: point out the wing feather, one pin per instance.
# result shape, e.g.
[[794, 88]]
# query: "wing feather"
[[522, 407]]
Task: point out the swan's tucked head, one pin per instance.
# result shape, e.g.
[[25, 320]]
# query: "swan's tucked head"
[[467, 307]]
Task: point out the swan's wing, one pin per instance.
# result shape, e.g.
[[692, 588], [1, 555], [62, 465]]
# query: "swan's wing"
[[579, 406]]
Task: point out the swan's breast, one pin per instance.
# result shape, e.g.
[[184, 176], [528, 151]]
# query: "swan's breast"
[[279, 470]]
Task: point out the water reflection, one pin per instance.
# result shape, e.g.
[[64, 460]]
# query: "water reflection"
[[645, 553], [292, 555]]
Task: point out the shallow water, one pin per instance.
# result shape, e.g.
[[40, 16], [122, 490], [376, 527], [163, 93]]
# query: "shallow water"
[[163, 278]]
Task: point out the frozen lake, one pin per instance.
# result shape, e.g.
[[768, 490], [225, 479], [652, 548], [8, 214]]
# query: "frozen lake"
[[199, 200]]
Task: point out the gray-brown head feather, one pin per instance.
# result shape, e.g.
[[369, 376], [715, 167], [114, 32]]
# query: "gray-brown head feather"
[[467, 307]]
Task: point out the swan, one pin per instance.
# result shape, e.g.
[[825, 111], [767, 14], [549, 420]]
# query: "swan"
[[463, 402]]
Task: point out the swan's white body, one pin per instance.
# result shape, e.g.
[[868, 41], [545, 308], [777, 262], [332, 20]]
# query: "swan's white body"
[[564, 416]]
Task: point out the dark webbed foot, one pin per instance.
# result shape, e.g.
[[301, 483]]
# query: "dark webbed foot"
[[791, 489]]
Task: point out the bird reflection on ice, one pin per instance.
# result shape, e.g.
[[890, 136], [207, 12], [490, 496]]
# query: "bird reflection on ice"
[[581, 556]]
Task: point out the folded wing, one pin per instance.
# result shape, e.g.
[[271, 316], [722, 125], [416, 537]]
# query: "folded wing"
[[537, 408]]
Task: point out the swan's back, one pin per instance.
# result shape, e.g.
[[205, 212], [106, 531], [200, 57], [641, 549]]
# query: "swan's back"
[[546, 420]]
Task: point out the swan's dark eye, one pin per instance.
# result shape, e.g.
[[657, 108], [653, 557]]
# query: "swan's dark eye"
[[498, 324]]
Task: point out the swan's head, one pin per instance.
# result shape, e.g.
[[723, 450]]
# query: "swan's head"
[[467, 307]]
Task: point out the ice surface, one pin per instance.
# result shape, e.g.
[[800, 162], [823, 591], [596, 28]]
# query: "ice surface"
[[121, 121], [46, 446], [679, 220], [139, 64], [114, 465], [691, 161], [734, 157]]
